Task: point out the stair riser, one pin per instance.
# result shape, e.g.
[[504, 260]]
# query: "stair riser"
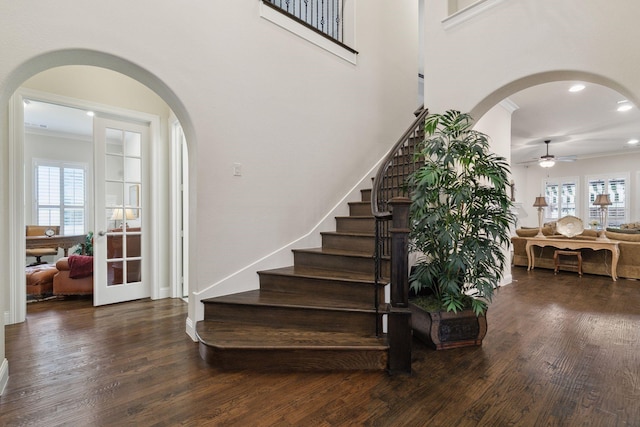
[[355, 225], [360, 244], [346, 291], [293, 317], [360, 209], [296, 360], [338, 263], [365, 195]]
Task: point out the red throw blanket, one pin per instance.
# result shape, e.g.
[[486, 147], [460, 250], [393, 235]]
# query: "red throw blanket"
[[80, 266]]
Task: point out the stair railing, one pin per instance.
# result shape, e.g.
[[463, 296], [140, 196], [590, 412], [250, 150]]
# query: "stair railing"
[[325, 17], [390, 207]]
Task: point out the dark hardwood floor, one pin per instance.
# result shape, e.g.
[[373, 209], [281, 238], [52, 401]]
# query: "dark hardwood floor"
[[560, 351]]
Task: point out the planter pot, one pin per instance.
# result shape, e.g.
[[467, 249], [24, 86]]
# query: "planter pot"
[[445, 329]]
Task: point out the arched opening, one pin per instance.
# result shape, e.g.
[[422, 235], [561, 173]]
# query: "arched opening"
[[592, 141], [518, 85], [176, 117]]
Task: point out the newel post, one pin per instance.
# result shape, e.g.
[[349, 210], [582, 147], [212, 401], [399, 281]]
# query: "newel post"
[[399, 320]]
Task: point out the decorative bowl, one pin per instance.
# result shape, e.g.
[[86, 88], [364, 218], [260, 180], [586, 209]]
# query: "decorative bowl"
[[569, 226]]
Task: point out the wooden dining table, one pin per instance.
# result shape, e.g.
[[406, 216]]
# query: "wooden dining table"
[[55, 242]]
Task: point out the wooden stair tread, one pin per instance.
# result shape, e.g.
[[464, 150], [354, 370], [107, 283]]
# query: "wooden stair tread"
[[317, 273], [225, 335], [285, 299], [348, 233], [339, 252], [318, 314]]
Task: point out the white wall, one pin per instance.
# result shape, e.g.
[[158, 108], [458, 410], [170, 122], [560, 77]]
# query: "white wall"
[[529, 182], [305, 125], [496, 123], [516, 44], [456, 5]]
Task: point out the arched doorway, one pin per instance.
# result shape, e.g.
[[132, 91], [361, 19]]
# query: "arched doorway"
[[57, 61], [594, 143]]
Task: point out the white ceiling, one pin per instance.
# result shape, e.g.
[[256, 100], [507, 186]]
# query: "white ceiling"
[[583, 124], [42, 117]]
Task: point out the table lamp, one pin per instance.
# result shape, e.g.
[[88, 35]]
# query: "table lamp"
[[603, 201], [121, 214], [540, 203]]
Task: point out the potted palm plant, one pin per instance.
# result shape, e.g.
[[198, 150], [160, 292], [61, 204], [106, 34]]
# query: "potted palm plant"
[[461, 216]]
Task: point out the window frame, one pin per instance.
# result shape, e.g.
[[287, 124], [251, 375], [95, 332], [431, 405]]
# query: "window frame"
[[561, 182], [61, 165], [626, 176]]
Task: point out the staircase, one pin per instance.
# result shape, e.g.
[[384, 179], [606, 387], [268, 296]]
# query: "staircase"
[[319, 314]]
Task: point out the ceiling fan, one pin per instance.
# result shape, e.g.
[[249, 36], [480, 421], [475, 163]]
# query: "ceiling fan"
[[548, 160]]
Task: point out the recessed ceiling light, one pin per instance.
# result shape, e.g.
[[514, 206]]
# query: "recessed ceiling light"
[[624, 105], [90, 113], [633, 141], [576, 87]]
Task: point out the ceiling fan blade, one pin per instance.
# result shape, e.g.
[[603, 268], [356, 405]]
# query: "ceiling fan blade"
[[572, 158]]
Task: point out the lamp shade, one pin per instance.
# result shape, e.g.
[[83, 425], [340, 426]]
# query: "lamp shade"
[[602, 200], [540, 202], [120, 214]]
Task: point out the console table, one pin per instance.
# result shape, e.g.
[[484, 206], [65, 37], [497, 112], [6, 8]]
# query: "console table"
[[55, 242], [573, 244]]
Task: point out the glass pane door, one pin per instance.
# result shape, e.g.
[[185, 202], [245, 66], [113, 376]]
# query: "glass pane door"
[[120, 211]]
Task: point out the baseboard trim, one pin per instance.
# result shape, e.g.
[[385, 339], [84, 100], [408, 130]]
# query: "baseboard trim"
[[164, 293], [4, 375], [191, 331], [506, 280]]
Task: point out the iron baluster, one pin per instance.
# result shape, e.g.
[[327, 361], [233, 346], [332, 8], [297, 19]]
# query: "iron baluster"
[[390, 184], [323, 15]]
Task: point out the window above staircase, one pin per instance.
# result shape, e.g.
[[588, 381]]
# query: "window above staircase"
[[328, 24]]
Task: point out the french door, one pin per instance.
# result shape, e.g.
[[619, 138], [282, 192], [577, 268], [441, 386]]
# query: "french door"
[[119, 211]]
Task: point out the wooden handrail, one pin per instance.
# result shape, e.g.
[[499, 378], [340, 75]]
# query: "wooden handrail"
[[335, 38], [390, 205], [380, 196]]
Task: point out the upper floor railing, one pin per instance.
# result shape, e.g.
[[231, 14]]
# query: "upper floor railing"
[[324, 16]]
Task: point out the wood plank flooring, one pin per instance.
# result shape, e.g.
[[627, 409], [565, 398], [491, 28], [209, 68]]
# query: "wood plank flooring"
[[560, 351]]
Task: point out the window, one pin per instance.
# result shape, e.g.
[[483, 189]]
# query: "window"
[[562, 198], [61, 196], [616, 187]]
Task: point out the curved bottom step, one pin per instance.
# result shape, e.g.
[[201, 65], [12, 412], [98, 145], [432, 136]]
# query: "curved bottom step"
[[242, 346]]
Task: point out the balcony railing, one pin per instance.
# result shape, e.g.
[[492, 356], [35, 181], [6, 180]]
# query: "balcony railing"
[[324, 16]]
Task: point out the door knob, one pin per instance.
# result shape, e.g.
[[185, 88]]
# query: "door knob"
[[101, 233]]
